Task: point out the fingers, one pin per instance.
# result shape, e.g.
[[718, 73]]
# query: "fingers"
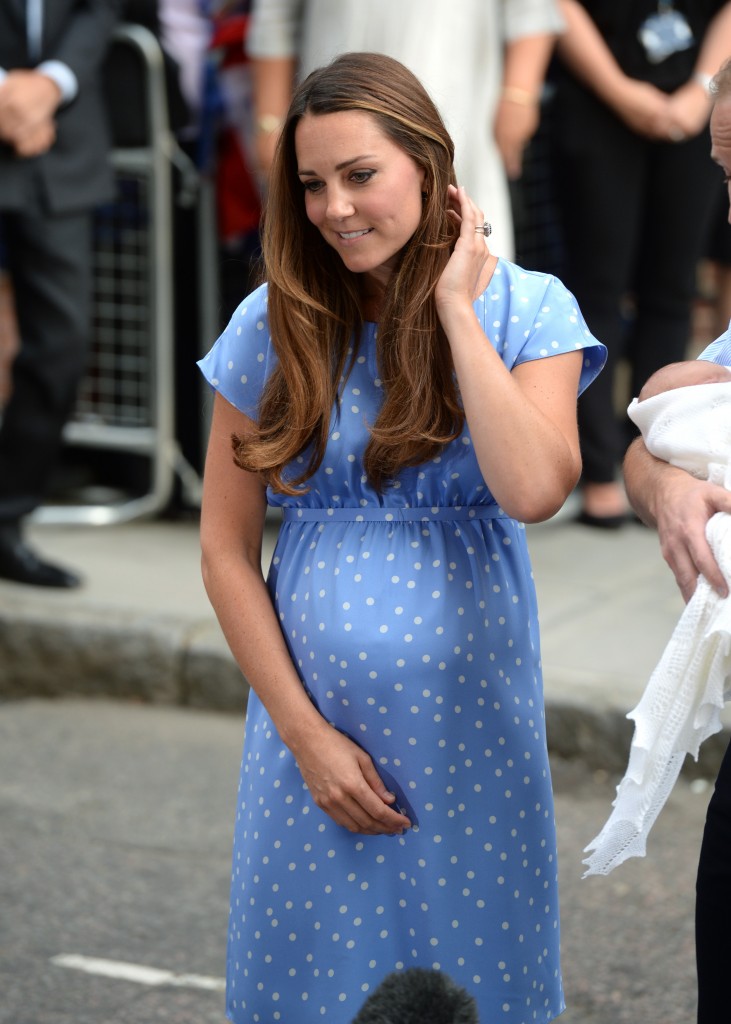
[[380, 790], [465, 212], [458, 284], [687, 568], [683, 568], [37, 141], [368, 803], [454, 208], [686, 549], [373, 817], [359, 809], [462, 205], [375, 782], [27, 99], [344, 783], [681, 548], [704, 564]]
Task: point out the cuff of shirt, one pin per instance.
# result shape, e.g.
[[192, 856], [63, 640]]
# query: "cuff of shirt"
[[63, 76], [3, 75]]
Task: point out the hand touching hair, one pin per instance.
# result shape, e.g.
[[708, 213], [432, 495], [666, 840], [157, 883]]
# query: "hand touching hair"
[[314, 301]]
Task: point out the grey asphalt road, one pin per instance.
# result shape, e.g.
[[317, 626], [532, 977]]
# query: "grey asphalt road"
[[115, 831]]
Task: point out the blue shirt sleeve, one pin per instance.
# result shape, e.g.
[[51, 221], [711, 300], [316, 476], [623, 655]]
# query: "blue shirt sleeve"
[[239, 363], [719, 351]]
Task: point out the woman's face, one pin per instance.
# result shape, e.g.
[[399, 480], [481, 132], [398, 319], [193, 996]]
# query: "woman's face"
[[362, 191]]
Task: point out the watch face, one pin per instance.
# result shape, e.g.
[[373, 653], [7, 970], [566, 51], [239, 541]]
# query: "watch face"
[[663, 34]]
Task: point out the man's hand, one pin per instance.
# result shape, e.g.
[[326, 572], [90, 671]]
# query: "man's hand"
[[679, 506], [682, 516], [37, 141], [28, 104]]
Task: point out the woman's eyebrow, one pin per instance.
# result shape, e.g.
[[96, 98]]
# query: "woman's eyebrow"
[[343, 165]]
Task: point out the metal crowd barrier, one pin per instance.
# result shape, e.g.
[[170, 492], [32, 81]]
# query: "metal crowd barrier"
[[127, 399]]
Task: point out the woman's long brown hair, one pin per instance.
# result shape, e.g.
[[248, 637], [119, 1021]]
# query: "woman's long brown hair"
[[314, 302]]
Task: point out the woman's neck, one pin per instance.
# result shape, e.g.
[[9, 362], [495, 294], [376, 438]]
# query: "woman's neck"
[[372, 294], [371, 306]]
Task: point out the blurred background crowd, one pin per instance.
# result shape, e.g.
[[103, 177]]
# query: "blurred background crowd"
[[581, 128]]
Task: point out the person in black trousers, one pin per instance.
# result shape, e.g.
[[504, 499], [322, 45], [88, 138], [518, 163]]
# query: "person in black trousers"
[[635, 192], [53, 172], [680, 506]]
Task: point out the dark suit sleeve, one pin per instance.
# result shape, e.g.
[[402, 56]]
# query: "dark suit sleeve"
[[82, 42]]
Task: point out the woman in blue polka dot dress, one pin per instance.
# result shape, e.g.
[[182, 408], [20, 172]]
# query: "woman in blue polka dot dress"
[[409, 401]]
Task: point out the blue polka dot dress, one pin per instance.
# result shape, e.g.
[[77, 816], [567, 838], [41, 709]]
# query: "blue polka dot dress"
[[411, 618]]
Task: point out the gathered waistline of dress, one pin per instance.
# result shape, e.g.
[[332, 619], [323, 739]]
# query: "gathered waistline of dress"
[[373, 513]]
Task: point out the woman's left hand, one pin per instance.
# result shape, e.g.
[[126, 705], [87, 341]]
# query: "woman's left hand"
[[689, 108], [459, 281]]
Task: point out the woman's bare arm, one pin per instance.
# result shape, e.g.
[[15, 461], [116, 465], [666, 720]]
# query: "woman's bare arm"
[[339, 774]]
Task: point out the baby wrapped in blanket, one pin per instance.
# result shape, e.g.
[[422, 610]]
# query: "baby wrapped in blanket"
[[684, 413]]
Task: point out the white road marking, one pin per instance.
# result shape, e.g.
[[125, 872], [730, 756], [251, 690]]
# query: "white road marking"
[[137, 973]]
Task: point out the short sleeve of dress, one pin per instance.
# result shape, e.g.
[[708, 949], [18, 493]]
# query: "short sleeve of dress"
[[274, 28], [531, 17], [239, 363], [529, 315]]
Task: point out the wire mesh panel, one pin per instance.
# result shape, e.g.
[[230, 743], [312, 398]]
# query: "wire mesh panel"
[[126, 400], [118, 389]]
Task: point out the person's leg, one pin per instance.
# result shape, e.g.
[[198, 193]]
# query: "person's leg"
[[600, 171], [8, 335], [680, 202], [713, 905], [49, 260]]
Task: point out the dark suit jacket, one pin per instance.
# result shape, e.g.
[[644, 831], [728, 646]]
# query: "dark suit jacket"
[[74, 175]]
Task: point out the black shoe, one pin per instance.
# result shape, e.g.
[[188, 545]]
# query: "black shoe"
[[603, 522], [21, 565]]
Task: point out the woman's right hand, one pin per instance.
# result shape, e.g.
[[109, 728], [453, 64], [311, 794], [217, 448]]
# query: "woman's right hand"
[[343, 782]]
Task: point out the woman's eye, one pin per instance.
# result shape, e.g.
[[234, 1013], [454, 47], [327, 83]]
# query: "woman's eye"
[[361, 177], [312, 186]]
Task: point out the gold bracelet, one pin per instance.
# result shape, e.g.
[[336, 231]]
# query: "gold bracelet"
[[267, 124], [517, 95]]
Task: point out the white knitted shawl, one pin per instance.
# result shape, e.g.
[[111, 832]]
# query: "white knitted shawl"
[[689, 427]]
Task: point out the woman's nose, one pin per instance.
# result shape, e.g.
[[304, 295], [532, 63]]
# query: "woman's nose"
[[339, 204]]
